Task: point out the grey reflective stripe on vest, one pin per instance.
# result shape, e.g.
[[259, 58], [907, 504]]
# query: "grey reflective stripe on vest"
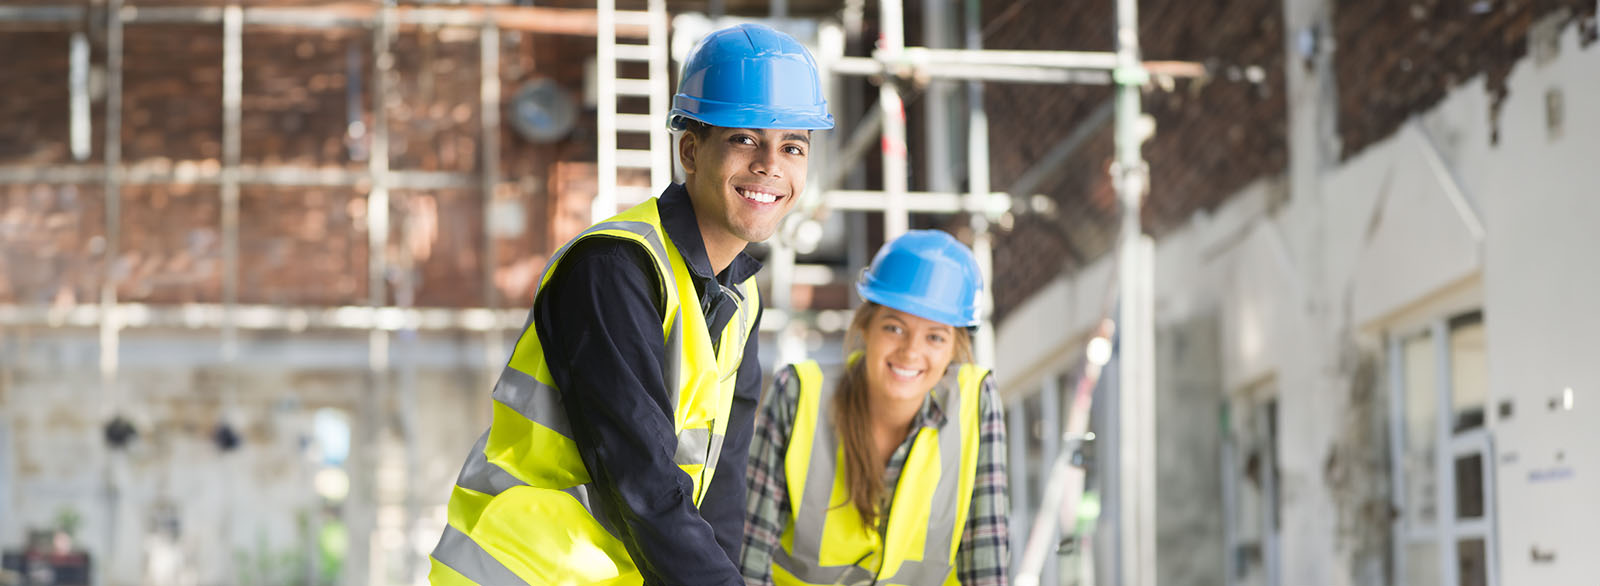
[[692, 446], [738, 294], [810, 572], [481, 475], [814, 506], [809, 519], [534, 400], [464, 556], [581, 493], [744, 337], [670, 361], [714, 455]]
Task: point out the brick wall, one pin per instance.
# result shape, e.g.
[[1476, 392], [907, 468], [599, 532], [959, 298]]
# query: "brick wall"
[[298, 245], [1212, 137], [1398, 58]]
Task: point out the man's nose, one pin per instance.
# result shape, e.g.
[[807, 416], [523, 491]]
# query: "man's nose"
[[766, 163]]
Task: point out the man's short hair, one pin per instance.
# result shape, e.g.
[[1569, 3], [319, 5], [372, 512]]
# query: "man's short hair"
[[697, 128]]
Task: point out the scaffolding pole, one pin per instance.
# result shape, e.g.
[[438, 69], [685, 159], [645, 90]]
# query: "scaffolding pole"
[[892, 39], [533, 19], [111, 394], [494, 352], [977, 187], [1134, 414], [113, 196], [364, 565]]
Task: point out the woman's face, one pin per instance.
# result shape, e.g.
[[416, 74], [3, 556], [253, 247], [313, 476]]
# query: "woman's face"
[[906, 355]]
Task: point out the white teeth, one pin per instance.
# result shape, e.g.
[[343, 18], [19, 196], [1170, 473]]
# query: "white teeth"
[[905, 373], [758, 196]]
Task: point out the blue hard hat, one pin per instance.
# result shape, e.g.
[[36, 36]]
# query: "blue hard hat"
[[926, 273], [750, 76]]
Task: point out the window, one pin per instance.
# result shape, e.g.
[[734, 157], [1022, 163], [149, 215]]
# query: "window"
[[1469, 372], [1250, 489], [1421, 415], [1441, 453]]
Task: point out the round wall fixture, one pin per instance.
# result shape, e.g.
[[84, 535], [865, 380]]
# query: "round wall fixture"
[[542, 111]]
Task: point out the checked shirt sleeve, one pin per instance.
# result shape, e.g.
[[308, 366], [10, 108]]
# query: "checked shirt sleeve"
[[984, 555]]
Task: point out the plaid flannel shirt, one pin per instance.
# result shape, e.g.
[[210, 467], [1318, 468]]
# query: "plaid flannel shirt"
[[984, 553]]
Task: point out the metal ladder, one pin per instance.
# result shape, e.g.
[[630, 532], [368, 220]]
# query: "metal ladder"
[[609, 197]]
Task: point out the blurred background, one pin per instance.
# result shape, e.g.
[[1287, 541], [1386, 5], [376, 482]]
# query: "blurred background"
[[260, 262]]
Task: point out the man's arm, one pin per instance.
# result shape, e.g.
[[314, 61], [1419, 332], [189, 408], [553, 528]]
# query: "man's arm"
[[600, 326], [723, 505]]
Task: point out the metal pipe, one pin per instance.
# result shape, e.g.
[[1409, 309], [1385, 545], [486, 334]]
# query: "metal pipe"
[[1136, 413], [937, 155], [111, 394], [922, 202], [210, 173], [977, 186], [1098, 60], [537, 19], [232, 94], [1049, 166], [113, 196], [1020, 66], [210, 316], [46, 14], [966, 71], [363, 566], [82, 129], [489, 91], [868, 128], [892, 38]]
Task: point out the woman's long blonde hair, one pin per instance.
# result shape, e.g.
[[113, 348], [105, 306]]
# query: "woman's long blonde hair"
[[853, 417]]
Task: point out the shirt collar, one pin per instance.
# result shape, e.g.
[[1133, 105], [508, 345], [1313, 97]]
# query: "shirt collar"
[[678, 218]]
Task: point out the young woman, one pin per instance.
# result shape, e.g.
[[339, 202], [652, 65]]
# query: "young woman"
[[894, 470]]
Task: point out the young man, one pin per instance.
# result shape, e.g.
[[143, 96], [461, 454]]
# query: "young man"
[[623, 419]]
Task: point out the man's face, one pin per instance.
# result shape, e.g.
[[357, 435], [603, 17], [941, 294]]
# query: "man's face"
[[743, 181]]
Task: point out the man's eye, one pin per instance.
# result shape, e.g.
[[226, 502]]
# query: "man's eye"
[[743, 139], [794, 150]]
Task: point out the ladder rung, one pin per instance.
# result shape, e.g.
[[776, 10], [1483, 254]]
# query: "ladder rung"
[[628, 195], [633, 52], [633, 17], [633, 87], [634, 159], [636, 123]]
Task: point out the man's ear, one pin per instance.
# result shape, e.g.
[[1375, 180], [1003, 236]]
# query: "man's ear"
[[686, 149]]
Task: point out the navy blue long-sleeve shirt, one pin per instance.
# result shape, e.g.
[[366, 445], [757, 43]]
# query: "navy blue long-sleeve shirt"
[[599, 321]]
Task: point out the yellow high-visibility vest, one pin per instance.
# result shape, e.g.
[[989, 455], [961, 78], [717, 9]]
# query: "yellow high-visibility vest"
[[520, 512], [827, 542]]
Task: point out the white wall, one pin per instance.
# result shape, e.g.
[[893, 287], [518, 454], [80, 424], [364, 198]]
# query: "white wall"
[[1305, 291], [172, 509]]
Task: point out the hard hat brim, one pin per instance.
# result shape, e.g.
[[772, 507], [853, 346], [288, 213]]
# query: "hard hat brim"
[[910, 305], [728, 115]]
